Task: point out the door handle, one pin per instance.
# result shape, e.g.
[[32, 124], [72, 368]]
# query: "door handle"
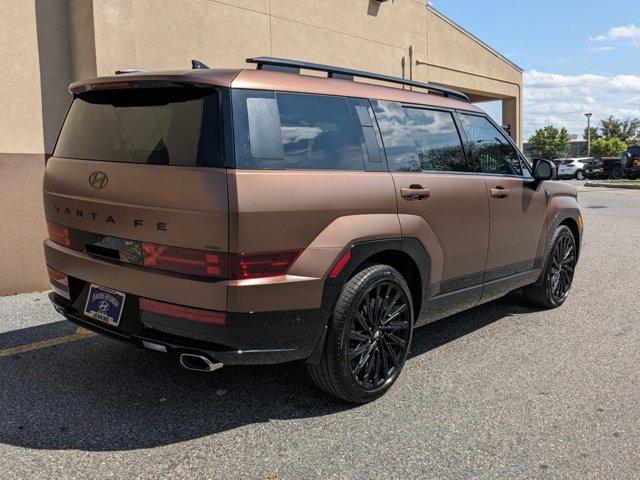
[[499, 192], [414, 192]]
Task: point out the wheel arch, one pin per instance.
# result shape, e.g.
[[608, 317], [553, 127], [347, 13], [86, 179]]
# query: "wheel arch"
[[573, 226], [407, 255]]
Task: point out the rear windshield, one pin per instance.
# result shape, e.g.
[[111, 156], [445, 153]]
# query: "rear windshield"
[[161, 126]]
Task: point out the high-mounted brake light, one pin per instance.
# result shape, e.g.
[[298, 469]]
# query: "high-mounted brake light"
[[110, 85], [185, 260], [259, 265], [178, 311], [58, 234]]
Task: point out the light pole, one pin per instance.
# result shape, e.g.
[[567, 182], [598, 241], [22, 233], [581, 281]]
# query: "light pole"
[[588, 115]]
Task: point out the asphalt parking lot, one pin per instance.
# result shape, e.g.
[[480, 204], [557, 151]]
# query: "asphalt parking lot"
[[501, 391]]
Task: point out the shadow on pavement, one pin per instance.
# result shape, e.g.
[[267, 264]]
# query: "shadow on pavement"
[[99, 395]]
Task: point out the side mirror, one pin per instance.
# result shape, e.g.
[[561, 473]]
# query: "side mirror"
[[543, 169]]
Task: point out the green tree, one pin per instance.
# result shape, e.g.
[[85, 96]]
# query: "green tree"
[[608, 148], [550, 142], [595, 134], [626, 130]]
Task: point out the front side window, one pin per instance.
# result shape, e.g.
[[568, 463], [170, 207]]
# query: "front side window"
[[489, 150], [437, 140]]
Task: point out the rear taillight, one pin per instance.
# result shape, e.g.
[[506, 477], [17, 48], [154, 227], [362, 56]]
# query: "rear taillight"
[[58, 234], [59, 282], [203, 263], [177, 311], [259, 265], [185, 260]]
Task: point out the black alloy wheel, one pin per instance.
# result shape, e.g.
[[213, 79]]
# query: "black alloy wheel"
[[379, 335], [368, 336], [552, 288], [562, 267]]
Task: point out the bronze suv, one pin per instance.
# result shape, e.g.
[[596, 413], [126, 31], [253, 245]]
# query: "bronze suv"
[[264, 216]]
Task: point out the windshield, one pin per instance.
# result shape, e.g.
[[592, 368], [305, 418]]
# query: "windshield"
[[161, 126]]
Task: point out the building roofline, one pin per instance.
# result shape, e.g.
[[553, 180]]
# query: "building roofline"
[[433, 9]]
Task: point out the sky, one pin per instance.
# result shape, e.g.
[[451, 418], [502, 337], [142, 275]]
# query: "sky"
[[578, 56]]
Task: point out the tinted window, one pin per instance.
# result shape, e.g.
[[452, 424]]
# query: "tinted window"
[[163, 126], [437, 140], [489, 150], [258, 141], [399, 145], [296, 131], [318, 133]]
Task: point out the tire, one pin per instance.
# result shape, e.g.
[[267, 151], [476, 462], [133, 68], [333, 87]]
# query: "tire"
[[626, 161], [553, 286], [368, 337], [617, 173], [580, 175], [632, 175]]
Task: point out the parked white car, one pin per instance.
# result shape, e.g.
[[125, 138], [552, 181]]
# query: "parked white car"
[[572, 168]]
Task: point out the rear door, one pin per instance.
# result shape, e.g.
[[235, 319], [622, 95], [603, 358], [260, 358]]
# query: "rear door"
[[139, 168], [439, 201], [517, 205]]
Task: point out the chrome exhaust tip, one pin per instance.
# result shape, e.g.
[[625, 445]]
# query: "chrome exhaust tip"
[[199, 363]]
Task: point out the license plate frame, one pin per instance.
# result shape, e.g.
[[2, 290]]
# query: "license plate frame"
[[104, 304]]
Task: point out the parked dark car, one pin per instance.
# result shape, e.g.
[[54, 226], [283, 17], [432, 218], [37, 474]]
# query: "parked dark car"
[[605, 167], [630, 162]]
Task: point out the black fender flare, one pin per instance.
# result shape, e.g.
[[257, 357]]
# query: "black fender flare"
[[360, 253]]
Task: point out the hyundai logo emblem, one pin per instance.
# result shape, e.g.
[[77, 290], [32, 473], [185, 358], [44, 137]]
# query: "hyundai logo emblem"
[[103, 306], [98, 179]]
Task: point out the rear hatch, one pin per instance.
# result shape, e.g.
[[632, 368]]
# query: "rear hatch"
[[136, 179]]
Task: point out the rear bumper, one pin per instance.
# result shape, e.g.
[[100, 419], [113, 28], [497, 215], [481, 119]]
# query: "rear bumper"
[[263, 338], [252, 335]]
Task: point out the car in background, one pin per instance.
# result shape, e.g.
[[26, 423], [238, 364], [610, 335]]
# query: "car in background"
[[630, 162], [572, 168], [604, 167]]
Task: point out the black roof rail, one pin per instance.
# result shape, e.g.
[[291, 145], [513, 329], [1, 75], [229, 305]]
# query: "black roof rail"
[[294, 66]]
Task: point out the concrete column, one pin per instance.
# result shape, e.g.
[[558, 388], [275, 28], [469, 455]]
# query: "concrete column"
[[511, 117]]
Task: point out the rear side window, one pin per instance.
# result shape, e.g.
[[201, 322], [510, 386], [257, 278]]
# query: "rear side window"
[[402, 155], [437, 139], [160, 126], [295, 132], [489, 150]]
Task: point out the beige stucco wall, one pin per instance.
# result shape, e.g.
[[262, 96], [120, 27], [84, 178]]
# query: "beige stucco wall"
[[46, 44]]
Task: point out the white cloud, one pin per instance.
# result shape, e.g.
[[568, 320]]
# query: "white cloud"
[[562, 100], [600, 49], [624, 32]]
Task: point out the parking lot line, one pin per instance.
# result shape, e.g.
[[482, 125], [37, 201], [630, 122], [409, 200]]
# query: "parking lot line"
[[79, 334]]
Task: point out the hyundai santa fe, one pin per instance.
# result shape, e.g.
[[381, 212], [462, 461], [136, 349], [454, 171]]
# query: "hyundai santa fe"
[[254, 216]]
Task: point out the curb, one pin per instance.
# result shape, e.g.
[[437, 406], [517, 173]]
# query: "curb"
[[612, 185]]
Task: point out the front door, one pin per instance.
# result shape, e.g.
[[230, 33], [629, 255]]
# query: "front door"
[[517, 205], [439, 201]]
